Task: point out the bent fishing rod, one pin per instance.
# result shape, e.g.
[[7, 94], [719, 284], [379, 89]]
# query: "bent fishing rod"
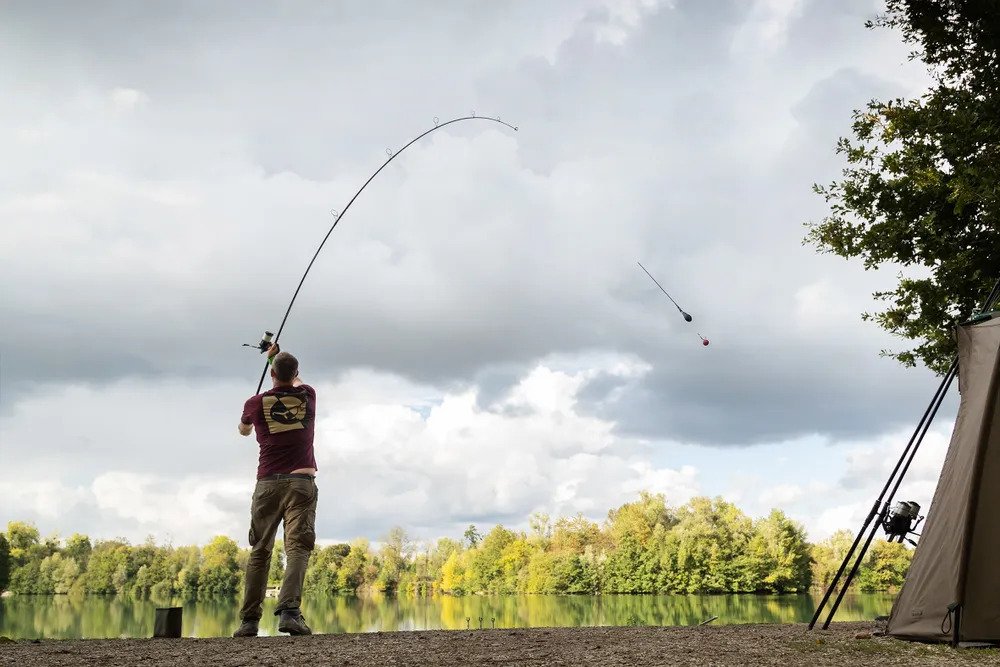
[[266, 340]]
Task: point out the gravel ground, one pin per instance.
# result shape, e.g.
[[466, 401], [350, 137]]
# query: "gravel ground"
[[606, 646]]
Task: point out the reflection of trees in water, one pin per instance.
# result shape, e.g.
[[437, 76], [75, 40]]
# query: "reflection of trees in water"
[[387, 613], [109, 616], [75, 616]]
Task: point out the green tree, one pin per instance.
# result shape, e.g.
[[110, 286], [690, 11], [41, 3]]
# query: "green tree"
[[712, 540], [428, 567], [442, 551], [705, 546], [152, 571], [828, 555], [183, 569], [393, 558], [352, 575], [780, 555], [472, 535], [188, 581], [144, 567], [920, 189], [22, 537], [56, 574], [276, 571], [27, 551], [639, 519], [78, 548], [453, 579], [577, 534], [321, 575], [575, 573], [885, 567], [541, 527], [106, 569], [541, 573], [4, 562], [487, 569], [219, 571], [514, 565], [26, 579]]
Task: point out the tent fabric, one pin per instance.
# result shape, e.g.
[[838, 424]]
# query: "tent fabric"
[[958, 558]]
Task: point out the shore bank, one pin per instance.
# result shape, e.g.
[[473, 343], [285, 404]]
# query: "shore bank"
[[607, 646]]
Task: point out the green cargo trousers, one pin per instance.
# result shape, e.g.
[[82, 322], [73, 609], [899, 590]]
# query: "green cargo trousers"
[[288, 499]]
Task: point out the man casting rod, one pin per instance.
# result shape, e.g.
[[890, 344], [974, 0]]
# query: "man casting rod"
[[340, 216]]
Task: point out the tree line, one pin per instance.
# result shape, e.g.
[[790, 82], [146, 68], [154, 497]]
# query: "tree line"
[[705, 546]]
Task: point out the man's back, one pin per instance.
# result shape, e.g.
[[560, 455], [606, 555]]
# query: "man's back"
[[284, 421]]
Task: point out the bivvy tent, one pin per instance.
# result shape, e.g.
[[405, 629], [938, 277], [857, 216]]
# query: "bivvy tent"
[[952, 590]]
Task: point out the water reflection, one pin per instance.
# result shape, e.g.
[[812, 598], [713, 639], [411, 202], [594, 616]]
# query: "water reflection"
[[63, 617]]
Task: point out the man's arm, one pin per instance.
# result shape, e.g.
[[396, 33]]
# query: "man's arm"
[[246, 421]]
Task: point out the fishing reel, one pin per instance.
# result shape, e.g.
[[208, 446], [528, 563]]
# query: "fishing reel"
[[902, 520], [265, 342]]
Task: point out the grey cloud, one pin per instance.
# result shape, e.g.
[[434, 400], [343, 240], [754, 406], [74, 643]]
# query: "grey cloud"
[[463, 260], [744, 397], [493, 384]]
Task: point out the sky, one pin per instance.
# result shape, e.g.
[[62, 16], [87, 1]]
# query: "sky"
[[481, 340]]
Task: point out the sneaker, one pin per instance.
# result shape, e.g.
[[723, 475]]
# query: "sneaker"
[[246, 629], [293, 623]]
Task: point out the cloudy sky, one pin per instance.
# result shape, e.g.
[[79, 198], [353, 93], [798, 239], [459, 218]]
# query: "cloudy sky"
[[481, 339]]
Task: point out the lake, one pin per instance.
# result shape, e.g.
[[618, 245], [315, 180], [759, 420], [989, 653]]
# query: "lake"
[[62, 617]]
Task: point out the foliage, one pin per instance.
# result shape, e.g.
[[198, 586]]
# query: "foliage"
[[472, 535], [4, 562], [887, 563], [780, 555], [393, 557], [646, 546], [828, 555], [276, 571], [921, 185], [219, 570]]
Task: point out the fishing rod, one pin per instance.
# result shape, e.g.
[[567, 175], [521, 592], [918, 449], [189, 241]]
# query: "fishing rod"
[[687, 318], [880, 514], [266, 341]]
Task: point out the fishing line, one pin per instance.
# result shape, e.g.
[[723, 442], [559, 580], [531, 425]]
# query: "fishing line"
[[339, 215]]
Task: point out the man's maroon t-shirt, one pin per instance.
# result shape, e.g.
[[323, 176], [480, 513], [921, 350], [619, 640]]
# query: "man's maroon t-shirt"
[[284, 421]]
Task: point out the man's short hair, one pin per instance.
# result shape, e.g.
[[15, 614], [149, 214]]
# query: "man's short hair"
[[285, 366]]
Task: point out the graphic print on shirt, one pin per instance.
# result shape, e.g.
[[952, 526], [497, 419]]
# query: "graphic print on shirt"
[[284, 413]]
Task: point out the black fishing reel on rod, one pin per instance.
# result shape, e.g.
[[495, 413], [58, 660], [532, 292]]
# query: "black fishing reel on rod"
[[902, 520], [265, 342]]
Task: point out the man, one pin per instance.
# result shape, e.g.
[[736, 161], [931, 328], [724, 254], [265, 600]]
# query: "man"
[[284, 418]]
